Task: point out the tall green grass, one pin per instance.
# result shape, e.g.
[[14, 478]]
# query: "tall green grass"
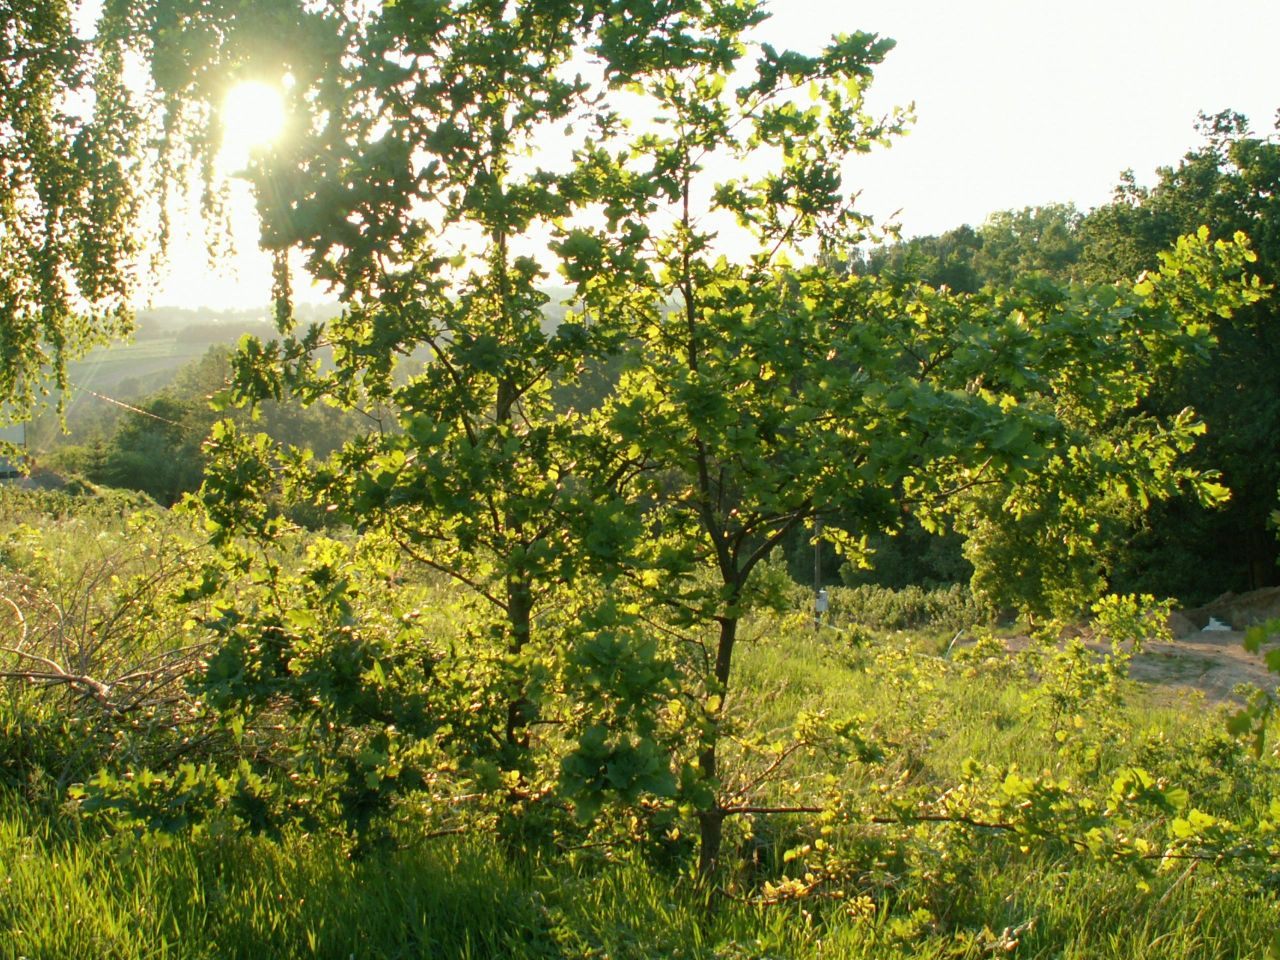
[[75, 895], [71, 888]]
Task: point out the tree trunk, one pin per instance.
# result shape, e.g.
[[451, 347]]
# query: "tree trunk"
[[1260, 548], [711, 822], [519, 619]]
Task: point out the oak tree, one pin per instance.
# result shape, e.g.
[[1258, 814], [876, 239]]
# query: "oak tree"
[[612, 552]]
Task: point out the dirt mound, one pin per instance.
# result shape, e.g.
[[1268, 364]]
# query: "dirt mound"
[[1212, 664], [1239, 611], [1215, 661], [40, 478]]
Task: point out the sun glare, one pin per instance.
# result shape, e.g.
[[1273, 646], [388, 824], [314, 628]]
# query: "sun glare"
[[253, 116]]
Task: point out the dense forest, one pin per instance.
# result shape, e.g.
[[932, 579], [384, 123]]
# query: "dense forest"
[[474, 615]]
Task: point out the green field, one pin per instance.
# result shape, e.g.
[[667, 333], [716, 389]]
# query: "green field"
[[146, 363], [1071, 867], [125, 373]]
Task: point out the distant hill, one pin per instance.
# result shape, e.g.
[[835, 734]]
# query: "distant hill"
[[168, 338], [215, 325]]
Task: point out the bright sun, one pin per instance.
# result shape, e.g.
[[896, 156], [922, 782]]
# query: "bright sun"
[[253, 116]]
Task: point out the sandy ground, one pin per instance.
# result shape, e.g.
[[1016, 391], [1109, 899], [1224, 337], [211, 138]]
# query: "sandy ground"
[[1212, 662], [1208, 663]]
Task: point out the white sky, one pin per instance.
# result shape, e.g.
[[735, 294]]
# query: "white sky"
[[1018, 102]]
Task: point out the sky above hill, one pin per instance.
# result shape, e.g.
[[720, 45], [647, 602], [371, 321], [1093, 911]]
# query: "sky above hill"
[[1018, 102]]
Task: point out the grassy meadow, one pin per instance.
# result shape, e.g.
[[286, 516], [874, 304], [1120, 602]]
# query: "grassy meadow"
[[931, 719]]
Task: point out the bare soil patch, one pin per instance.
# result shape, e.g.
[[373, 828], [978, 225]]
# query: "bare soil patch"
[[1214, 662], [1211, 662]]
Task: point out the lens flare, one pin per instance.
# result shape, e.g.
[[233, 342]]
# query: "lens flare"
[[253, 116]]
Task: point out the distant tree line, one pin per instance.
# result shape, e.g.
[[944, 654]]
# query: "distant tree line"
[[220, 324]]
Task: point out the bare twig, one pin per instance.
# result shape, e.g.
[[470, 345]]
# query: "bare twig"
[[22, 621]]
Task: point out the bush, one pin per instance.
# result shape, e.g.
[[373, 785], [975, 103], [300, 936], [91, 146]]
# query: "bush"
[[95, 649], [952, 608]]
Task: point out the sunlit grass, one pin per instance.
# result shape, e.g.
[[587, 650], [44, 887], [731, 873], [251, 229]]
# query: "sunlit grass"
[[69, 888]]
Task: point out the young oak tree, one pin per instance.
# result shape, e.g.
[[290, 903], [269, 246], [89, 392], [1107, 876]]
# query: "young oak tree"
[[761, 395], [770, 395], [413, 183]]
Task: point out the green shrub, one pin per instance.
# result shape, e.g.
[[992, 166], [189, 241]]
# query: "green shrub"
[[95, 649], [952, 608]]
